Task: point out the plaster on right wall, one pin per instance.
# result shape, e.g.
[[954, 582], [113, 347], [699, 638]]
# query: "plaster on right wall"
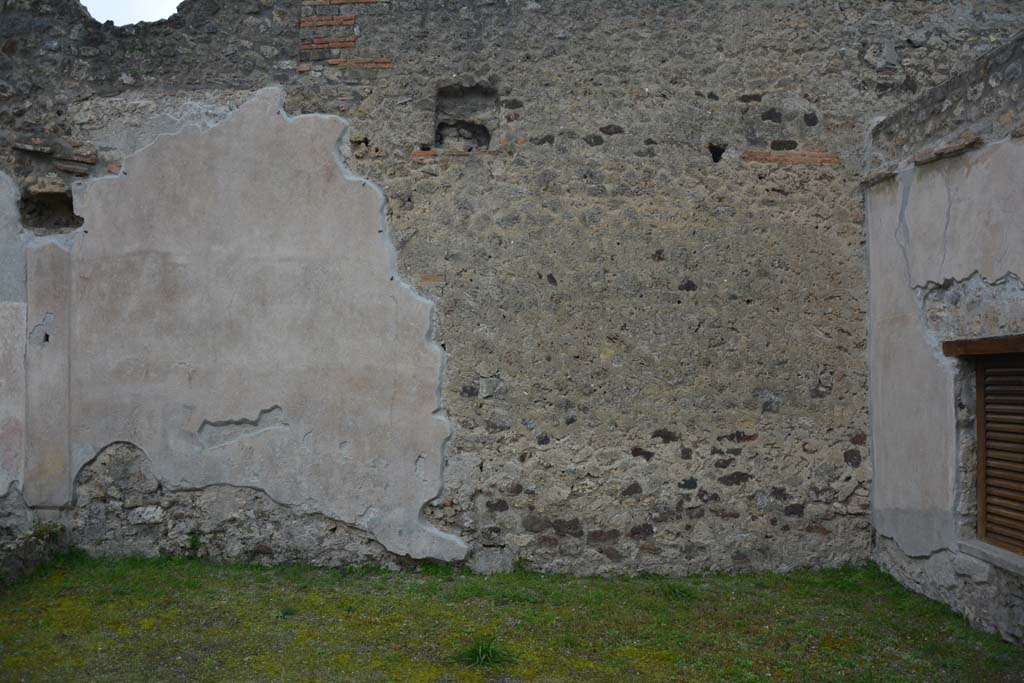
[[946, 252]]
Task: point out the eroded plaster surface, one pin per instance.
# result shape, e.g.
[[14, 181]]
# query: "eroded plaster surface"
[[911, 394], [12, 256], [953, 221], [12, 339], [963, 215], [235, 313], [946, 250], [12, 395], [47, 363]]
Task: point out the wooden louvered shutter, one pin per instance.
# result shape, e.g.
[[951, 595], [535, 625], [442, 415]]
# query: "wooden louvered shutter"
[[1001, 451]]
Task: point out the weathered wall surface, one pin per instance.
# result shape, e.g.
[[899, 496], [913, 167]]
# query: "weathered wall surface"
[[230, 307], [263, 339], [12, 339], [122, 509], [641, 224], [946, 250]]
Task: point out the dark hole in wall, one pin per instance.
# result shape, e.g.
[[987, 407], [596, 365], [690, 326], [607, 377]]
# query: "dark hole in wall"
[[463, 115], [716, 151], [472, 135], [48, 211], [475, 96]]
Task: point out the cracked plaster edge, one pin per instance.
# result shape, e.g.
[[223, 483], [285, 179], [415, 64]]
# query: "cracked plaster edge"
[[459, 547], [23, 235], [904, 175], [932, 285], [13, 487], [297, 508]]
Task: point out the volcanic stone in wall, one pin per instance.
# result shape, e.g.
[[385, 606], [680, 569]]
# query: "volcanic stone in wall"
[[236, 314]]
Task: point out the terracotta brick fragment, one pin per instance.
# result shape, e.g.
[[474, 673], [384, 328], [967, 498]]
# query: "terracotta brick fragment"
[[790, 157], [331, 39], [72, 168], [379, 63], [878, 176], [324, 3], [79, 157], [340, 43], [322, 21], [35, 145], [966, 142]]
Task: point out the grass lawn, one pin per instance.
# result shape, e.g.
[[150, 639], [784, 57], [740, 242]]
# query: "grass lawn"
[[185, 620]]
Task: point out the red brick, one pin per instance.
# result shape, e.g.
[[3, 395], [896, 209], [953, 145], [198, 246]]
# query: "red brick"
[[790, 157], [330, 39], [318, 22], [967, 141], [72, 168], [378, 63], [322, 3], [37, 145], [78, 156], [339, 44]]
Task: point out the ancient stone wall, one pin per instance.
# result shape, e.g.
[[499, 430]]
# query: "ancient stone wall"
[[641, 225], [945, 249]]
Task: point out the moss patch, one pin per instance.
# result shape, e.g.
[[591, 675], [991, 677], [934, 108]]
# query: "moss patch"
[[187, 620]]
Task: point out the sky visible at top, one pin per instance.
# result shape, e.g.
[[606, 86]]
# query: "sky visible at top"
[[123, 12]]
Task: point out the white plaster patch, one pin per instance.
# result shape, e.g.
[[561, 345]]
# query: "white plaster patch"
[[236, 313]]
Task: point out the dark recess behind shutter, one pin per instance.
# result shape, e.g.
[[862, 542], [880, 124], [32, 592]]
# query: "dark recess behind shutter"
[[1001, 451]]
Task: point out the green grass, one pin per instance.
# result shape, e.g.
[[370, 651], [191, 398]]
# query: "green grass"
[[484, 652], [187, 620]]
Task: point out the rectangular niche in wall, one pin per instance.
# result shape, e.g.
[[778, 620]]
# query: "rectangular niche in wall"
[[465, 117], [1000, 425]]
